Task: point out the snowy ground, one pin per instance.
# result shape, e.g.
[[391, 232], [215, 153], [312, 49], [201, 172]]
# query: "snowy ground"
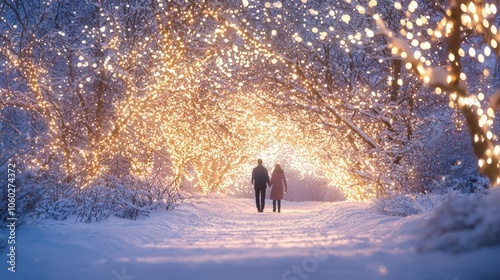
[[212, 238]]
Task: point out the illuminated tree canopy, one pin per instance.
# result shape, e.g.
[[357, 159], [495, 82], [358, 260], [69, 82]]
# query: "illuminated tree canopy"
[[349, 91]]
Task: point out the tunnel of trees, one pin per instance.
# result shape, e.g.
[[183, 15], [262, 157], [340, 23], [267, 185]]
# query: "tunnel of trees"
[[139, 98]]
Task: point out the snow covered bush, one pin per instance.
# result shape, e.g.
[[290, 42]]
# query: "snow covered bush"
[[127, 197], [438, 191], [406, 205], [463, 223], [32, 200]]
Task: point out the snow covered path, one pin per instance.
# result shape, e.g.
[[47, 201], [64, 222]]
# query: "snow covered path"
[[228, 239]]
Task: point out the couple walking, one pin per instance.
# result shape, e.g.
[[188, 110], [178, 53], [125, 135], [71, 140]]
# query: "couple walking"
[[260, 178]]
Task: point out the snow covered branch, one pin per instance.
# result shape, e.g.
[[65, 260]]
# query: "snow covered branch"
[[452, 80]]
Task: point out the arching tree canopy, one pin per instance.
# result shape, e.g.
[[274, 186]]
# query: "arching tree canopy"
[[350, 91]]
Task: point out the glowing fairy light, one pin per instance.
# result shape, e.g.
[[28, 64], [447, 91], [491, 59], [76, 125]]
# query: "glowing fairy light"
[[346, 18]]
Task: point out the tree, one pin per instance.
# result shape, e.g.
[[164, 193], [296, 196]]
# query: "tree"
[[462, 18]]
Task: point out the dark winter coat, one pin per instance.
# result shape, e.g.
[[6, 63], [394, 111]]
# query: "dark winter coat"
[[278, 182], [260, 177]]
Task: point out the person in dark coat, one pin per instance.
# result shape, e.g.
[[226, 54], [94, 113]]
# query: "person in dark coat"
[[260, 178], [278, 182]]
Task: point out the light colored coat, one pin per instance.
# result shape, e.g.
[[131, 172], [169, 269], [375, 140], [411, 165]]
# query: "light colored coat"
[[278, 183]]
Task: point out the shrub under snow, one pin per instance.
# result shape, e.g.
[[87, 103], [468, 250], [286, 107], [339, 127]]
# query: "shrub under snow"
[[463, 223], [126, 197], [406, 205]]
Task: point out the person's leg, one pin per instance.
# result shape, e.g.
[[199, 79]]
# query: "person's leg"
[[257, 200], [279, 206], [262, 199], [274, 205]]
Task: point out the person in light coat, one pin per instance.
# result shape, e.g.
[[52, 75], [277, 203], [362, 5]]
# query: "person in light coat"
[[279, 187]]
